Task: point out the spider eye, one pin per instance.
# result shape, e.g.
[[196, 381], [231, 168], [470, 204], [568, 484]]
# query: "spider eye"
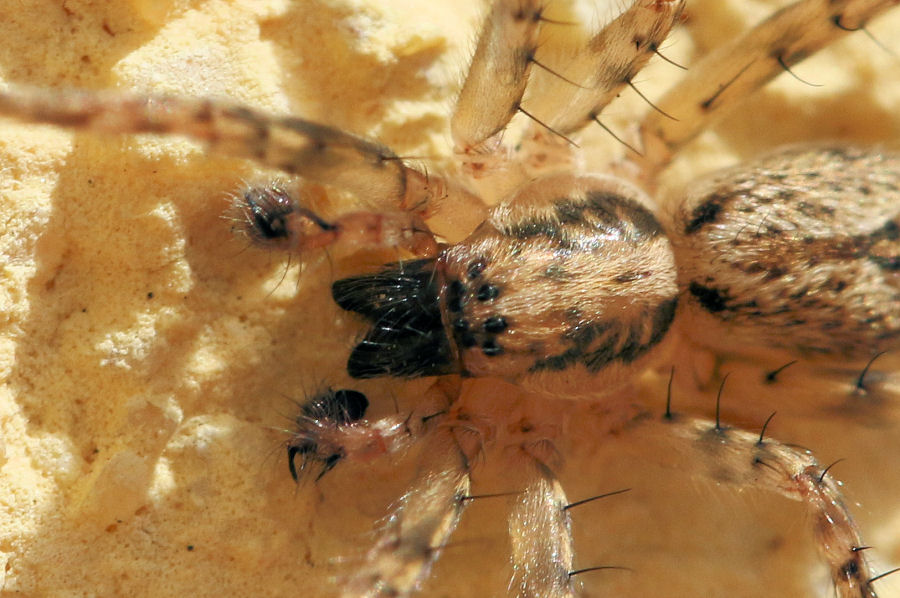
[[407, 338]]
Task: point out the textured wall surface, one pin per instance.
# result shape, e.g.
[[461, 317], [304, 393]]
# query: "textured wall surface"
[[150, 361]]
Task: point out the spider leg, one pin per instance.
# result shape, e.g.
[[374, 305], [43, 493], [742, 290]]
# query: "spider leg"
[[498, 74], [603, 66], [572, 96], [730, 73], [319, 153], [270, 216], [331, 427], [294, 145], [419, 527], [324, 443], [540, 533], [744, 459]]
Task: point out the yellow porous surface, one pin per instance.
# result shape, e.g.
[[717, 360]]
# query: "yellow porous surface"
[[151, 361]]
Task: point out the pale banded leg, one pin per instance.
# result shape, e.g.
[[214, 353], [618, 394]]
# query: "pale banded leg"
[[730, 73], [498, 74], [270, 216], [416, 531], [580, 87], [319, 153], [609, 61], [541, 537], [744, 459], [293, 145]]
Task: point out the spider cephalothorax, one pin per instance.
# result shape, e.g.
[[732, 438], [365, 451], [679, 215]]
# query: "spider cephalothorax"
[[566, 286]]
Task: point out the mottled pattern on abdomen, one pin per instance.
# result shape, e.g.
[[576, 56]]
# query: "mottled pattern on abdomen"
[[800, 250]]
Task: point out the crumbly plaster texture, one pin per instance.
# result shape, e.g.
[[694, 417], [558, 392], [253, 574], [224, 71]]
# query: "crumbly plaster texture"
[[150, 362]]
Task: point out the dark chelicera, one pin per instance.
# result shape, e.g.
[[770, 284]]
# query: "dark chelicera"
[[407, 338], [331, 408], [597, 344]]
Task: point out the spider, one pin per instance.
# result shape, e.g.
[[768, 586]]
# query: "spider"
[[148, 408]]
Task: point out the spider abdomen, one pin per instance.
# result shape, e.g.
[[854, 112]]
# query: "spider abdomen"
[[799, 250]]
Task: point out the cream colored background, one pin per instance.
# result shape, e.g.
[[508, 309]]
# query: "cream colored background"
[[148, 357]]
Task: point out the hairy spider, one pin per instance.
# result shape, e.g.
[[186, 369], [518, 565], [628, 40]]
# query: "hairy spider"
[[154, 473]]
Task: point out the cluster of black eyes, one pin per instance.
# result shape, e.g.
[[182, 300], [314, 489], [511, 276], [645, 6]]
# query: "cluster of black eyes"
[[491, 327]]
